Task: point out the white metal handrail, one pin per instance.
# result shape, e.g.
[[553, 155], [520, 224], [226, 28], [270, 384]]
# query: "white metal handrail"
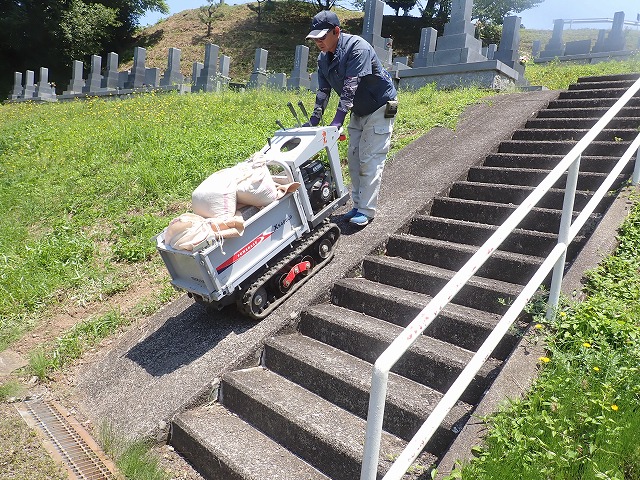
[[555, 260]]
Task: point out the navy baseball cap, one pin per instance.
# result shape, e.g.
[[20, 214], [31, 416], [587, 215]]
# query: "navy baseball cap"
[[322, 23]]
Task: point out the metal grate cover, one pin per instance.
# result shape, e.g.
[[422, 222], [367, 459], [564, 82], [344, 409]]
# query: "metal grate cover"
[[67, 441]]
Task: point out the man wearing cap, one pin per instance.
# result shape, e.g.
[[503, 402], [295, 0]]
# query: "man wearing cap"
[[350, 66]]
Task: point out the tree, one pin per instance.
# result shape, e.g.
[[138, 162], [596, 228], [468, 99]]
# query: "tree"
[[494, 11], [53, 33], [209, 13], [405, 5]]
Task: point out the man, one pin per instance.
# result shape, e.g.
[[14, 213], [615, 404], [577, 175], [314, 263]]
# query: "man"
[[350, 66]]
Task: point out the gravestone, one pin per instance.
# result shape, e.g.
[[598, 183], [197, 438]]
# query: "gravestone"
[[277, 81], [225, 65], [578, 47], [76, 84], [195, 73], [599, 46], [535, 48], [123, 78], [508, 50], [44, 91], [110, 79], [458, 44], [29, 85], [314, 82], [138, 72], [489, 51], [300, 74], [172, 75], [428, 37], [152, 77], [615, 40], [555, 47], [17, 90], [207, 80], [372, 31], [94, 80], [259, 76]]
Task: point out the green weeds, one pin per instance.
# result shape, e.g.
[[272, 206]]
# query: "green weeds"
[[581, 418]]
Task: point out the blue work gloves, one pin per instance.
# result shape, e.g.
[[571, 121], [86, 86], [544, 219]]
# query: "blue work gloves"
[[313, 122], [338, 120]]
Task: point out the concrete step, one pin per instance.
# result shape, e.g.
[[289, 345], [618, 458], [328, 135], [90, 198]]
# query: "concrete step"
[[563, 147], [583, 109], [515, 194], [505, 266], [581, 123], [222, 446], [459, 325], [431, 362], [345, 381], [475, 233], [533, 177], [547, 134], [600, 84], [609, 78], [520, 241], [590, 103], [479, 293], [539, 219], [595, 93], [322, 434], [601, 164]]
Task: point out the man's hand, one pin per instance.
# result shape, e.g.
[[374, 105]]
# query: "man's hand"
[[313, 122], [338, 120]]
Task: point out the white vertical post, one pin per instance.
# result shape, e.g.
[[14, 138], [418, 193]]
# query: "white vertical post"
[[375, 416], [563, 235], [635, 178]]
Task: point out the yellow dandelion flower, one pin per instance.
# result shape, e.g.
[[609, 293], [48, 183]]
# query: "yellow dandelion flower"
[[539, 326], [586, 345], [597, 369], [614, 407], [563, 314], [544, 359]]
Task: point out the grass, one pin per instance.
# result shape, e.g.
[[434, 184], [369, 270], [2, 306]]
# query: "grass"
[[581, 418]]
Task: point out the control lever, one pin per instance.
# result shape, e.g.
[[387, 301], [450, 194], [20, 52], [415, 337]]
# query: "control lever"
[[279, 123], [304, 110], [294, 113]]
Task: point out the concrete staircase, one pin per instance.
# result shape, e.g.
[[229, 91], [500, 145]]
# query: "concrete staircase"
[[301, 413]]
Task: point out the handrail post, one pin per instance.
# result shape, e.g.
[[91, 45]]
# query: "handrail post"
[[375, 417], [563, 235], [635, 178]]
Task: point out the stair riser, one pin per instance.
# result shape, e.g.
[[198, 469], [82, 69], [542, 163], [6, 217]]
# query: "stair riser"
[[589, 111], [553, 199], [337, 464], [495, 214], [580, 123], [414, 365], [517, 241], [400, 422], [609, 78], [471, 295], [607, 135], [618, 84], [605, 149], [590, 103], [458, 331], [548, 162], [529, 178], [498, 268], [602, 93], [204, 461]]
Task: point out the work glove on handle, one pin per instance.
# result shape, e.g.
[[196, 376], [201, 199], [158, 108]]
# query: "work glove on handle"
[[338, 120], [313, 122]]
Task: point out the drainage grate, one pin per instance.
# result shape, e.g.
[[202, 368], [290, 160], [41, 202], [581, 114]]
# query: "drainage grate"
[[66, 440]]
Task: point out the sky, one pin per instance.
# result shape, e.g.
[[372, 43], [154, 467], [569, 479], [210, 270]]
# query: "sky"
[[541, 17]]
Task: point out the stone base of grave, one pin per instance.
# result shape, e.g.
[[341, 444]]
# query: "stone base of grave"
[[590, 57], [32, 99], [490, 74]]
